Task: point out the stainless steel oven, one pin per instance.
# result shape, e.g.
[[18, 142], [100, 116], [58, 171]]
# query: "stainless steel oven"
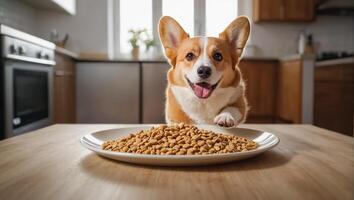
[[27, 82]]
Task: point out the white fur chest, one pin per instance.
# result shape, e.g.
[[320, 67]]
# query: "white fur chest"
[[203, 111]]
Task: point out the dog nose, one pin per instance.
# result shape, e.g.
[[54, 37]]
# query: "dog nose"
[[204, 71]]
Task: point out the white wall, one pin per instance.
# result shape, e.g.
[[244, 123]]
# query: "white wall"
[[87, 29], [331, 33], [18, 15]]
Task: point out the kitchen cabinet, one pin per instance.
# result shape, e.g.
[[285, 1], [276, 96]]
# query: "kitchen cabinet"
[[64, 89], [299, 10], [261, 78], [295, 83], [334, 97], [268, 10], [283, 10], [279, 91], [134, 92], [154, 83], [60, 6], [108, 92], [289, 91]]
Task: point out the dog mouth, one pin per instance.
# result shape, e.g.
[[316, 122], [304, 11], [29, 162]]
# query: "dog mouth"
[[202, 90]]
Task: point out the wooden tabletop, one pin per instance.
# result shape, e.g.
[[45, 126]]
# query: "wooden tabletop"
[[309, 163]]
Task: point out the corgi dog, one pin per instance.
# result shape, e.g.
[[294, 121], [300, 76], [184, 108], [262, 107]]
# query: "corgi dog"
[[205, 85]]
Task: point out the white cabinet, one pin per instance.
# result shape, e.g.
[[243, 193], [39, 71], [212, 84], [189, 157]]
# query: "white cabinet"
[[66, 6]]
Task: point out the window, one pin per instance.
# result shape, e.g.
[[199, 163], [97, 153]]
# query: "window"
[[134, 14], [219, 14], [182, 11], [197, 17]]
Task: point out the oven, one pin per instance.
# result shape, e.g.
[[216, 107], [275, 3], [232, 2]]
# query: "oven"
[[27, 83], [28, 96]]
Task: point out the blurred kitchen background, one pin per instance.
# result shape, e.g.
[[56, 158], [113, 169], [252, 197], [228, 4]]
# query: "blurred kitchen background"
[[90, 61]]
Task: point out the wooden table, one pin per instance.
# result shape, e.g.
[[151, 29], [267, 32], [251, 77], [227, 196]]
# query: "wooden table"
[[309, 163]]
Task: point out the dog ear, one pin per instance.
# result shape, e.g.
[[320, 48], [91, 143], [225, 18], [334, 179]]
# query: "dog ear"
[[237, 34], [171, 36]]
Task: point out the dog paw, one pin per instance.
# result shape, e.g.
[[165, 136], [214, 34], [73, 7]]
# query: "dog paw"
[[225, 120]]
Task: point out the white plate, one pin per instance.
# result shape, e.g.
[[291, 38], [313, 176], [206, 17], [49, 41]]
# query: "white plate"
[[94, 141]]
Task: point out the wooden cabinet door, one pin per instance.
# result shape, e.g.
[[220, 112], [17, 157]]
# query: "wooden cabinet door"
[[64, 90], [268, 10], [283, 10], [299, 10], [289, 96], [260, 78], [65, 98], [334, 98]]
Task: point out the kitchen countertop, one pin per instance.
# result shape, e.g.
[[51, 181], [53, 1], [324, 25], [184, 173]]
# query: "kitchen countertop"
[[127, 58], [159, 58], [349, 60], [50, 163], [297, 57], [66, 52]]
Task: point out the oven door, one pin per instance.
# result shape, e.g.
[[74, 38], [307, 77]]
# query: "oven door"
[[28, 93]]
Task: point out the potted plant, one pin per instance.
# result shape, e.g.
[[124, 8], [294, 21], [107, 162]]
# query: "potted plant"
[[134, 41], [140, 36], [148, 40]]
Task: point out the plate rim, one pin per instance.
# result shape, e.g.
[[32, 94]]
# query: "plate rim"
[[84, 142]]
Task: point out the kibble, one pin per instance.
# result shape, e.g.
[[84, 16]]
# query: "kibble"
[[179, 139]]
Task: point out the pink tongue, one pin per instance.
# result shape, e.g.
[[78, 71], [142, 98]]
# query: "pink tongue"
[[202, 92]]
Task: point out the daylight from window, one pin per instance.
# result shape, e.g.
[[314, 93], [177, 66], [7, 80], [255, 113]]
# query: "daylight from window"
[[219, 13], [134, 14], [182, 11], [137, 15]]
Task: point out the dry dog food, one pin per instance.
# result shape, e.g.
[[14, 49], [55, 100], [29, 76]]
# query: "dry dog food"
[[179, 139]]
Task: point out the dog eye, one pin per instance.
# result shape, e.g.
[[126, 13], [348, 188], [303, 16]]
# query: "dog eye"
[[190, 56], [217, 56]]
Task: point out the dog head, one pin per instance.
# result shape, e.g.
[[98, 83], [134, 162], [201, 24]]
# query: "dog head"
[[204, 63]]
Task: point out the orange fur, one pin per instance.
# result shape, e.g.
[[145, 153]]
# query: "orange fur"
[[177, 44]]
